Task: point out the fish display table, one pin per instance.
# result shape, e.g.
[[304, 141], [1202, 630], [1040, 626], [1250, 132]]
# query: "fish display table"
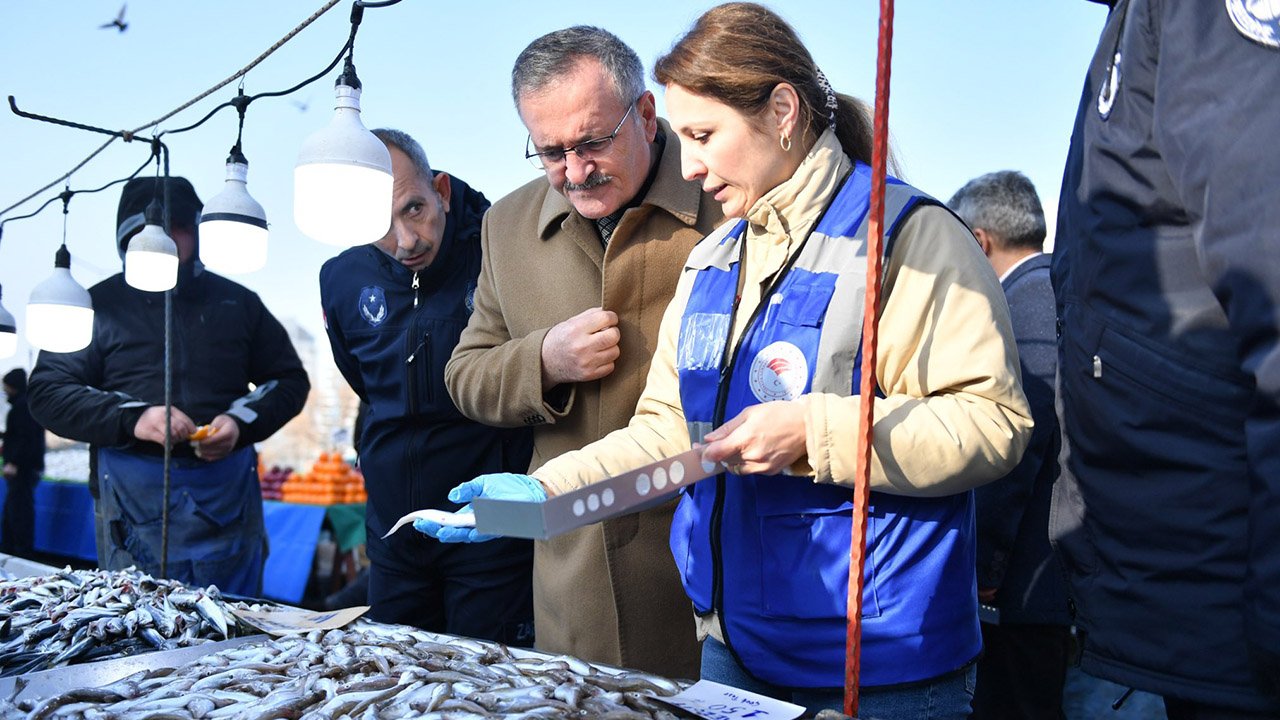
[[49, 683], [365, 669]]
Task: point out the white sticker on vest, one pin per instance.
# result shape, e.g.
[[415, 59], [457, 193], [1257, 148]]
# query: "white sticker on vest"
[[779, 372]]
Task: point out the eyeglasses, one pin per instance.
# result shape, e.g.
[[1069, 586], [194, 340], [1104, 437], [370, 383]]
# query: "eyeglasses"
[[587, 150]]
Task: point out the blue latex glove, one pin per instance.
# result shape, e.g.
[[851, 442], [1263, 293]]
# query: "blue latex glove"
[[499, 486]]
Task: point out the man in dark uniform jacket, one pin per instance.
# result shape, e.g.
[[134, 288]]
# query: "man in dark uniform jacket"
[[393, 311], [1167, 278]]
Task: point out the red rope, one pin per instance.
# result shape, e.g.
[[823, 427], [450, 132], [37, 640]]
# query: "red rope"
[[870, 335]]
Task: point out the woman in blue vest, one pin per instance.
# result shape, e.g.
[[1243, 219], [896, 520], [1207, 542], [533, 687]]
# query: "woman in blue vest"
[[758, 359]]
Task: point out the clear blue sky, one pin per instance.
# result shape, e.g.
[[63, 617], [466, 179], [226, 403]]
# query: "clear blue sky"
[[977, 86]]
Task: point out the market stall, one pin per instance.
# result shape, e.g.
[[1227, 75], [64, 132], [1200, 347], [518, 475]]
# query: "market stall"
[[64, 527]]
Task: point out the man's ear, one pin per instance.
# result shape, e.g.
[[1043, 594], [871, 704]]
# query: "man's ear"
[[985, 241], [647, 108], [443, 187]]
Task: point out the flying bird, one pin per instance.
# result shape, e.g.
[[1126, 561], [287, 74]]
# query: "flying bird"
[[118, 23], [301, 105]]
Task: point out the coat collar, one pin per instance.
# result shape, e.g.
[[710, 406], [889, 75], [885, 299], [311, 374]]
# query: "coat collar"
[[1034, 262], [669, 192]]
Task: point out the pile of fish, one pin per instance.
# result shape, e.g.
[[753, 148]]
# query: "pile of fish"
[[85, 615], [365, 672]]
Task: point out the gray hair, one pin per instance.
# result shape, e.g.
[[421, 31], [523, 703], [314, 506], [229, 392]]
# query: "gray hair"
[[401, 141], [1004, 204], [551, 56]]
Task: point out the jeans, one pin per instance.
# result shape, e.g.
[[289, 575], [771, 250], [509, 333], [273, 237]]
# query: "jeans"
[[946, 699]]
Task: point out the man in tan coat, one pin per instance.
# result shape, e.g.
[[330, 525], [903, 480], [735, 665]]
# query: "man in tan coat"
[[576, 274]]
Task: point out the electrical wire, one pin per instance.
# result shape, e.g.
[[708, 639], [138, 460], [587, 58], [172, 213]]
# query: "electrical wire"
[[51, 200], [128, 135]]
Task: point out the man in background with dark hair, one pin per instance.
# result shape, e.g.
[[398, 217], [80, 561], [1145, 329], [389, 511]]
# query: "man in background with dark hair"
[[23, 463], [233, 369], [1025, 654], [393, 312]]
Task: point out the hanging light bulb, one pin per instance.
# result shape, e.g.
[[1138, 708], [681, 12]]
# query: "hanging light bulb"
[[59, 311], [233, 226], [342, 181], [151, 262], [8, 333]]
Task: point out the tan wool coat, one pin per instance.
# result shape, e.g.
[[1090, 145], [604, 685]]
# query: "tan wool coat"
[[610, 592]]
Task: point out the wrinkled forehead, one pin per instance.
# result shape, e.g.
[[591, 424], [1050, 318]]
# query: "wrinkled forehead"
[[581, 105]]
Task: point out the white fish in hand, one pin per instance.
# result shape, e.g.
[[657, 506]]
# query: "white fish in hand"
[[441, 517]]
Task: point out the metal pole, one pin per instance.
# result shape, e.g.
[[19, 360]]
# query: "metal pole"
[[168, 391]]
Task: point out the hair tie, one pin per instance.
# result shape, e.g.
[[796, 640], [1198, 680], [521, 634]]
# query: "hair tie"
[[832, 105]]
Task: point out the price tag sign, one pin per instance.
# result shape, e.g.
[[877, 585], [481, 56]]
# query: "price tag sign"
[[714, 701], [283, 621]]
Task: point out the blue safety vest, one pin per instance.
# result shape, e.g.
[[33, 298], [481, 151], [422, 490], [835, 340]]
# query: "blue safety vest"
[[770, 554]]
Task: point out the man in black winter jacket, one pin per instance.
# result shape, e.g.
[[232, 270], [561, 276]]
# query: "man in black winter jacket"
[[233, 368], [23, 463], [394, 310]]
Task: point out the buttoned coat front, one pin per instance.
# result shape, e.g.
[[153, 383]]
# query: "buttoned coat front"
[[610, 592]]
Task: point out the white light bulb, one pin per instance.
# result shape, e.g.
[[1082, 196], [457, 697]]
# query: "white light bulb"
[[233, 226], [342, 181], [151, 262], [59, 311]]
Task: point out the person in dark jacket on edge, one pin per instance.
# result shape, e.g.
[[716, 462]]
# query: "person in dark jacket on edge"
[[394, 309], [233, 368], [1167, 277], [1025, 654], [23, 463]]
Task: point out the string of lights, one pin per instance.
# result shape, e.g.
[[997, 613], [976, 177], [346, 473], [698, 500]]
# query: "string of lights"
[[128, 135], [342, 196]]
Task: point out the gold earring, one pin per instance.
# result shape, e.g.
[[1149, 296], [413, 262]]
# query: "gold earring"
[[785, 141]]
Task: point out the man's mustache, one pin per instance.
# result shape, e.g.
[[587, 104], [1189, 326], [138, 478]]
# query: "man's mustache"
[[594, 180]]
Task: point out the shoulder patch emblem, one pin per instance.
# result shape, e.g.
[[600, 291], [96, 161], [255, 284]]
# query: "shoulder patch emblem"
[[471, 298], [1257, 20], [1110, 86], [373, 305], [779, 372]]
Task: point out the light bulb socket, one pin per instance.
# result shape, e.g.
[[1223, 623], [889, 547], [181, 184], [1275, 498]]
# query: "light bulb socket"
[[62, 258], [234, 204], [348, 76], [236, 156], [154, 214]]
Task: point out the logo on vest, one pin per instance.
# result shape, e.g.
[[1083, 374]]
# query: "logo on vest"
[[1258, 20], [470, 300], [778, 372], [373, 305]]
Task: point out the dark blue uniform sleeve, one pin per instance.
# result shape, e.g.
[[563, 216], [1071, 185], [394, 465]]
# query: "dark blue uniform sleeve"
[[1224, 157], [1002, 504]]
